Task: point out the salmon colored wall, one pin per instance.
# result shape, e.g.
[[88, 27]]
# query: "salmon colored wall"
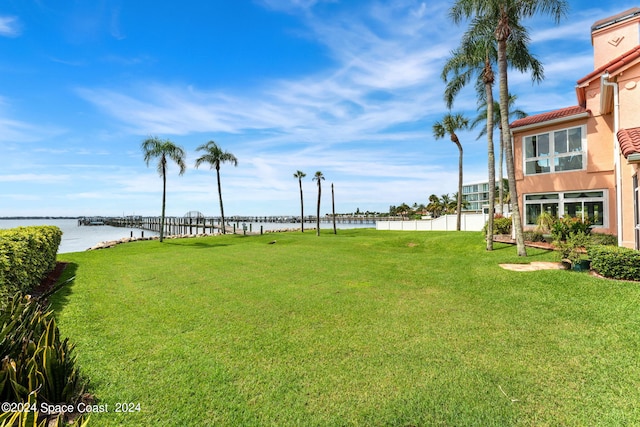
[[614, 40], [608, 43], [628, 219], [629, 98], [629, 93], [598, 175]]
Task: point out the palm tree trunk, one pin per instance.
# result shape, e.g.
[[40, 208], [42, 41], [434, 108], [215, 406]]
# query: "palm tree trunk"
[[506, 141], [164, 200], [491, 163], [459, 205], [301, 206], [333, 209], [500, 175], [318, 210], [224, 226]]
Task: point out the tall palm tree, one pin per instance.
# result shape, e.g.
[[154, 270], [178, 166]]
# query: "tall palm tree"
[[215, 156], [299, 175], [154, 147], [483, 116], [318, 177], [476, 56], [505, 16], [450, 124]]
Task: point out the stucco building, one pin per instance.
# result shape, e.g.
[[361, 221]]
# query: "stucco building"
[[583, 160]]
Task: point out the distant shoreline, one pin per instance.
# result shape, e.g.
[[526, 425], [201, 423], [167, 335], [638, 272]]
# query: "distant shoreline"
[[38, 217]]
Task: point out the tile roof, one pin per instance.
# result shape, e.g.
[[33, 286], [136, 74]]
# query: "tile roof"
[[613, 65], [623, 16], [551, 115], [629, 141]]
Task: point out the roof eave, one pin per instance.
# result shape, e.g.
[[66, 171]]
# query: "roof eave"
[[633, 158], [583, 115]]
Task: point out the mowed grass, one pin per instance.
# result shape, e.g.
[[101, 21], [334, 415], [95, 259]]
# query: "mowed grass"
[[361, 328]]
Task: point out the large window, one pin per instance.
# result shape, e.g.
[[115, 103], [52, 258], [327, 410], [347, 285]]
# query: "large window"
[[557, 151], [580, 204]]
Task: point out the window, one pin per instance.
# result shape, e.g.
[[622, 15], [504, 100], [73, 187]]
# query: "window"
[[557, 151], [580, 204]]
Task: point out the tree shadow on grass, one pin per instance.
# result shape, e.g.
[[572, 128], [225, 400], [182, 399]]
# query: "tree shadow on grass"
[[499, 246], [60, 292], [196, 245]]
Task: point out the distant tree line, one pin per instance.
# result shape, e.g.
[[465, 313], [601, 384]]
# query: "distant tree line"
[[436, 207]]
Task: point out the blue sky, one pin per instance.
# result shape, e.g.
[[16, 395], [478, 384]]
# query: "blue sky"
[[350, 88]]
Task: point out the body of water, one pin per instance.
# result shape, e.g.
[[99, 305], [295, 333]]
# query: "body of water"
[[80, 238]]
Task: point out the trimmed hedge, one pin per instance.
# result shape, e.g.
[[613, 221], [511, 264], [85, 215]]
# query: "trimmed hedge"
[[27, 255], [615, 262]]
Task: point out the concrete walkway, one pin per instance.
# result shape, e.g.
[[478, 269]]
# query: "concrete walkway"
[[534, 266]]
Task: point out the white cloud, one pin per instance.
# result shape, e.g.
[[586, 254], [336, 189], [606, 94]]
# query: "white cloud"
[[9, 26], [13, 131], [574, 30], [365, 121], [292, 6], [383, 78], [35, 178], [421, 11]]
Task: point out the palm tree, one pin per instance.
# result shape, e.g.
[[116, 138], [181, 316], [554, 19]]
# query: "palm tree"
[[404, 210], [215, 156], [154, 147], [450, 124], [449, 204], [505, 16], [299, 175], [506, 194], [476, 57], [483, 116], [318, 177], [465, 203], [434, 207]]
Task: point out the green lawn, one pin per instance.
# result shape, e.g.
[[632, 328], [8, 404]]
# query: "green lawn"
[[361, 328]]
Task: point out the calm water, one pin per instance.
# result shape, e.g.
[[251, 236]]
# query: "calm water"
[[79, 238]]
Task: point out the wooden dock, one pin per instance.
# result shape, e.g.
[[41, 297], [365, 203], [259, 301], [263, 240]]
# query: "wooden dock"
[[213, 225]]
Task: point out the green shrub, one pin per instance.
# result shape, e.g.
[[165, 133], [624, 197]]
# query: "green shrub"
[[502, 226], [563, 227], [545, 222], [615, 262], [604, 239], [533, 236], [36, 363], [27, 255], [575, 246]]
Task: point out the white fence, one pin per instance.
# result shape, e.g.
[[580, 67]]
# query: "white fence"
[[468, 222]]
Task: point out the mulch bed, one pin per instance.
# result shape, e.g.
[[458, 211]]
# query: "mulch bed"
[[47, 285], [502, 238]]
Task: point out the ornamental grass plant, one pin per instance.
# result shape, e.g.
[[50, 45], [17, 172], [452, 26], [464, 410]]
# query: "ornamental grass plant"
[[360, 328]]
